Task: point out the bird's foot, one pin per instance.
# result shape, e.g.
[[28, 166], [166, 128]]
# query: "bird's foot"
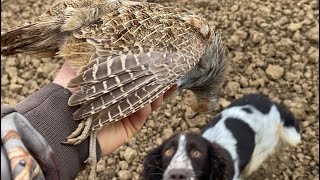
[[81, 133]]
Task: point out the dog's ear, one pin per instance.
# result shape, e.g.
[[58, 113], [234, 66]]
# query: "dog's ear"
[[218, 164], [152, 167]]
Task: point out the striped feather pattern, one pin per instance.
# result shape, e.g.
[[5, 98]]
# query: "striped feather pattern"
[[90, 92], [131, 104], [108, 66], [110, 98]]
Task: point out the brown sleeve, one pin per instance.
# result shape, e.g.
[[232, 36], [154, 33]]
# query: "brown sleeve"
[[48, 112]]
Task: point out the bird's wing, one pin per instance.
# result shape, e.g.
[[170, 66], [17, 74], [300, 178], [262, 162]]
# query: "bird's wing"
[[125, 82]]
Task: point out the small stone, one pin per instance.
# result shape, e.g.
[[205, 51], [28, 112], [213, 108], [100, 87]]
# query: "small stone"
[[234, 8], [15, 88], [35, 62], [12, 72], [257, 37], [195, 130], [175, 121], [305, 123], [297, 36], [123, 165], [101, 166], [298, 66], [294, 26], [129, 154], [198, 121], [110, 161], [241, 34], [313, 34], [124, 175], [284, 45], [167, 133], [238, 56], [4, 80], [159, 141], [283, 20], [150, 123], [297, 88], [233, 86], [313, 55], [244, 81], [140, 168], [224, 103], [300, 156], [274, 71], [289, 76], [167, 114], [234, 40]]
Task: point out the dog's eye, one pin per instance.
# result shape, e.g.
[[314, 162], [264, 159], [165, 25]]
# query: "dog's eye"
[[196, 154], [169, 152]]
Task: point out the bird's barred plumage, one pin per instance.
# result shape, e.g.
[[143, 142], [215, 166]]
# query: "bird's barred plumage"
[[133, 46], [126, 54]]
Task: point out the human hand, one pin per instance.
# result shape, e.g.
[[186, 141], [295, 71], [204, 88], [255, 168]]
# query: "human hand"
[[114, 135]]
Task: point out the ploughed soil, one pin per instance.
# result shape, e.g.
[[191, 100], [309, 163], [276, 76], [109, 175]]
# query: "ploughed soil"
[[273, 49]]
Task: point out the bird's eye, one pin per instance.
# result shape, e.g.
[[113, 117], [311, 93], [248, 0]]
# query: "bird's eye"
[[196, 154], [169, 152]]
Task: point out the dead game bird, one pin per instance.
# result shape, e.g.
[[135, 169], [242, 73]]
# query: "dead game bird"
[[126, 54]]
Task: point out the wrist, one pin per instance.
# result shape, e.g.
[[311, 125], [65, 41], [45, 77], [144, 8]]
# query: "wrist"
[[64, 75]]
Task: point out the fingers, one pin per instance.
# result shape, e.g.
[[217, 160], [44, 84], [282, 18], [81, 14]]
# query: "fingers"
[[169, 92], [157, 103], [138, 118], [114, 135]]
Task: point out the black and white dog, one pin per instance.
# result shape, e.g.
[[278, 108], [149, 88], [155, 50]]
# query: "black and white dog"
[[232, 146]]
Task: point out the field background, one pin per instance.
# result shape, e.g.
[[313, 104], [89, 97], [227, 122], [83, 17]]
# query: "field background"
[[274, 49]]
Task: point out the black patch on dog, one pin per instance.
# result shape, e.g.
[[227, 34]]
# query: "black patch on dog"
[[153, 165], [287, 118], [245, 137], [259, 101], [247, 110]]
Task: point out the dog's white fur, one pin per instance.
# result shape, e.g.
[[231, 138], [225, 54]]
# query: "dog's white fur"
[[180, 159], [268, 128]]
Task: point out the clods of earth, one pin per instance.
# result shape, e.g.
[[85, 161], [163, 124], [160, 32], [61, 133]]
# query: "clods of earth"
[[273, 49]]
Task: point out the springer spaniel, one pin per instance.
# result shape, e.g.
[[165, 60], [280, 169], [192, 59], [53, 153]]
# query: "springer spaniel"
[[232, 146]]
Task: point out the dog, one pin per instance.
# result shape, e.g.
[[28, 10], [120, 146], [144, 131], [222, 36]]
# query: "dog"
[[231, 146]]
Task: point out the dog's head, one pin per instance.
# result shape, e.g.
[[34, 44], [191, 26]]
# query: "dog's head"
[[184, 157]]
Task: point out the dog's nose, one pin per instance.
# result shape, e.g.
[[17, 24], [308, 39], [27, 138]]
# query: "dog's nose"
[[180, 174]]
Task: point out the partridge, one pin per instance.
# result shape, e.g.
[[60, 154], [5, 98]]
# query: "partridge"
[[126, 54]]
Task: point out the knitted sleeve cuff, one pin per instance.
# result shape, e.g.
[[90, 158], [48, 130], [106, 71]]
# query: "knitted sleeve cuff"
[[48, 112]]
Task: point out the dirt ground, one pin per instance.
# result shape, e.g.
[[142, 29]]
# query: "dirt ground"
[[273, 48]]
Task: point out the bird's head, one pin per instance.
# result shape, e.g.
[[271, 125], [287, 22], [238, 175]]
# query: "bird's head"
[[206, 78]]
